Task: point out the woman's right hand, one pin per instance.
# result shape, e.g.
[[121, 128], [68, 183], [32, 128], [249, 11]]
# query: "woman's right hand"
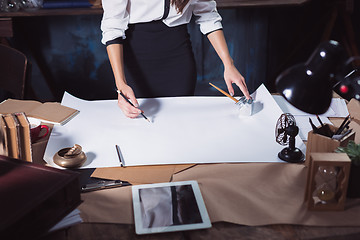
[[128, 110]]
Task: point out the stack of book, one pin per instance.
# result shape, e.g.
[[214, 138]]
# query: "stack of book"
[[15, 136]]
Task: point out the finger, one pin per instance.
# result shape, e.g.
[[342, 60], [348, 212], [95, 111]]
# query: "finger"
[[244, 90], [129, 94], [230, 88], [133, 100], [131, 114], [128, 109], [242, 85], [127, 99]]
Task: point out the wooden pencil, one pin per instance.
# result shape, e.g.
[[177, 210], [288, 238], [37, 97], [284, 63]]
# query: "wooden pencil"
[[223, 92]]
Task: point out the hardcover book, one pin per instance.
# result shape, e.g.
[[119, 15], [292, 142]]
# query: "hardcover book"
[[34, 197], [50, 112], [12, 130], [3, 138], [24, 137]]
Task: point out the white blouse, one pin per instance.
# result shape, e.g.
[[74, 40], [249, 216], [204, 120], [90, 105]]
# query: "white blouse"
[[119, 13]]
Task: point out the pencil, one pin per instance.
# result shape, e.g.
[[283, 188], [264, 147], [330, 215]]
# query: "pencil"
[[342, 125], [318, 118], [142, 114], [345, 126], [223, 92], [315, 129], [122, 163]]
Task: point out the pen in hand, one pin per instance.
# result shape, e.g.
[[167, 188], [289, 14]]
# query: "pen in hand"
[[142, 114]]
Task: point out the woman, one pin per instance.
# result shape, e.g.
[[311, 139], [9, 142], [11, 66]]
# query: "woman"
[[150, 51]]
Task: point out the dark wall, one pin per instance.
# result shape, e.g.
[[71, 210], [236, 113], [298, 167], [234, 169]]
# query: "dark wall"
[[246, 34], [67, 54], [295, 32]]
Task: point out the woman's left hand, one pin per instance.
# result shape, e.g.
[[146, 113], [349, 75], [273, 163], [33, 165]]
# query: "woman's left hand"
[[232, 75]]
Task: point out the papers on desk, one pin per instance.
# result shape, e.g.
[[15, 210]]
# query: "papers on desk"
[[69, 220], [183, 130], [337, 108]]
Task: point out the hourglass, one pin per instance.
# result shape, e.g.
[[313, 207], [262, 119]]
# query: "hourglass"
[[327, 181]]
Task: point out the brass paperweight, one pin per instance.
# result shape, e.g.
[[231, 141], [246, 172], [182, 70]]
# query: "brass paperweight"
[[72, 157]]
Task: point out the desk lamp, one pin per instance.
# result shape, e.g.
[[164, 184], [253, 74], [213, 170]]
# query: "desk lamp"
[[308, 86]]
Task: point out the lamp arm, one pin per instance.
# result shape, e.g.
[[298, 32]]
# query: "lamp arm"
[[340, 76], [351, 59]]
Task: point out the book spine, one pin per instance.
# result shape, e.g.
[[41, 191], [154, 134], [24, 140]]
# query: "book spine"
[[3, 137], [12, 136], [24, 137]]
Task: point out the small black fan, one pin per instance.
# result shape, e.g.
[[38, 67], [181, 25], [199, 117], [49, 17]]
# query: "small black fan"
[[285, 133]]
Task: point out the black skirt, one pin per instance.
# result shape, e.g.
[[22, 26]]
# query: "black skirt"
[[159, 61]]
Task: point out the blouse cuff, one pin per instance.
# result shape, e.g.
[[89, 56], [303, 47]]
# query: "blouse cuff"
[[210, 26], [213, 31], [118, 40]]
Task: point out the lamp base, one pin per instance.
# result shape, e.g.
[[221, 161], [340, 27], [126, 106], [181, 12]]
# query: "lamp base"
[[291, 155]]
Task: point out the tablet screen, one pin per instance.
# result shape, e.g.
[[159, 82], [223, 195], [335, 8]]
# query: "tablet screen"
[[165, 207]]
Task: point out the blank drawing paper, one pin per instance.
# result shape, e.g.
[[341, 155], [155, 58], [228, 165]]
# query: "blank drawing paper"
[[182, 130]]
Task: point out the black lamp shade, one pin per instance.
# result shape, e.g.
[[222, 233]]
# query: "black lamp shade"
[[308, 86]]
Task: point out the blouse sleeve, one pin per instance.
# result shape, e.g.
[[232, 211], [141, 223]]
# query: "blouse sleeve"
[[115, 20], [207, 16]]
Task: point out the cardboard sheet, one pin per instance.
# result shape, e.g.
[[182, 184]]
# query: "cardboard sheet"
[[245, 193], [354, 111], [184, 130], [263, 193], [141, 174]]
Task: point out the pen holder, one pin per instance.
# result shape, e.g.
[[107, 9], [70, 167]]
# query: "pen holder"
[[320, 143], [245, 106]]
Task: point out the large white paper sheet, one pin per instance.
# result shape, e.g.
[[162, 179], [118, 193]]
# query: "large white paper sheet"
[[183, 130]]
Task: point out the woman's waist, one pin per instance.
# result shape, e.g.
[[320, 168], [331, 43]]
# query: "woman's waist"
[[155, 26]]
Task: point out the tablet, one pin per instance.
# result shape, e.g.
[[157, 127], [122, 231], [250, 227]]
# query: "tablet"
[[167, 207]]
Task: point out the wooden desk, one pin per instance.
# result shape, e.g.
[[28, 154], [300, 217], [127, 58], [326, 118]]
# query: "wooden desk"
[[219, 231]]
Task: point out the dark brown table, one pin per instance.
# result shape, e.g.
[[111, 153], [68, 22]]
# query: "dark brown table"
[[219, 231]]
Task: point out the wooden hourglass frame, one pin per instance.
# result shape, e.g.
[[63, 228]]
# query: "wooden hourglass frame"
[[327, 181]]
